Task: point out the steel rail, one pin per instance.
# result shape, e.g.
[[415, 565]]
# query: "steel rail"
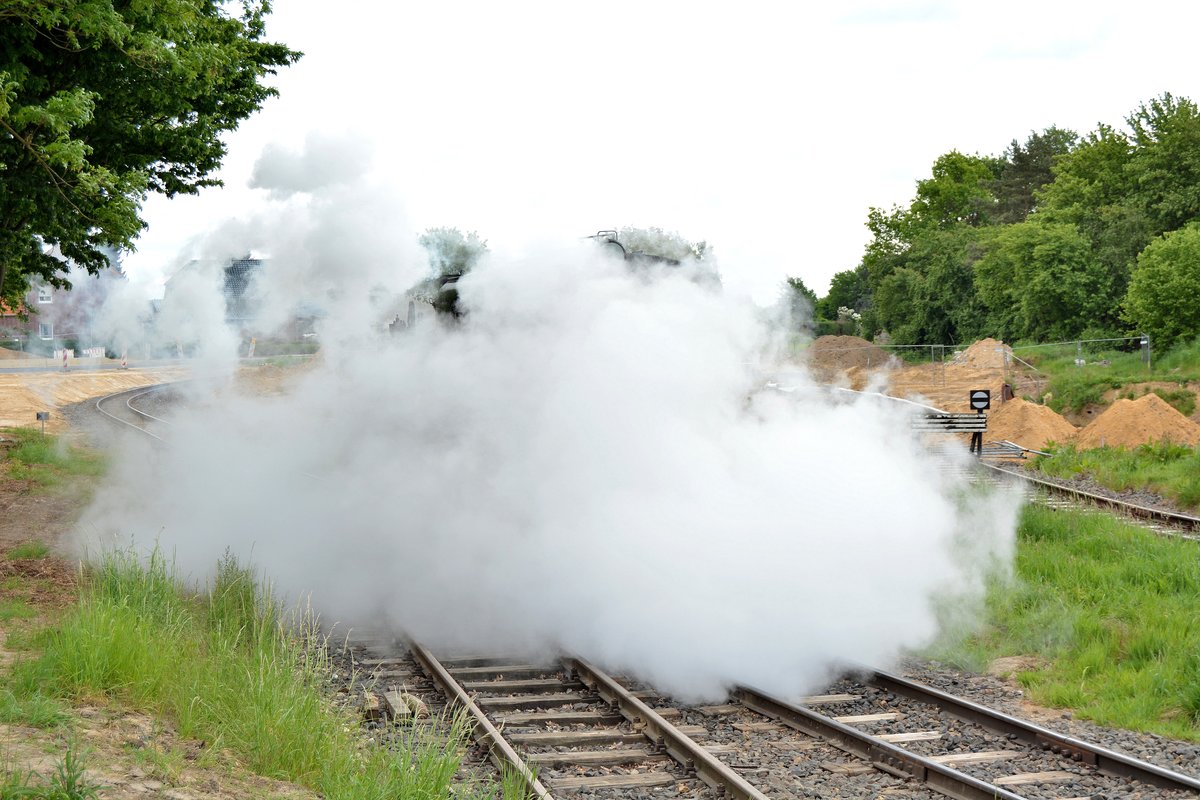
[[139, 412], [100, 408], [664, 735], [500, 751], [882, 755], [1145, 512], [1107, 761]]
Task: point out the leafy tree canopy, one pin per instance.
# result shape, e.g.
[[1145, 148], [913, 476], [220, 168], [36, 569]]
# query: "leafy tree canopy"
[[452, 252], [102, 101], [1025, 169], [957, 192], [796, 302], [847, 289], [1040, 281], [1041, 242], [1165, 163], [665, 244], [1164, 292]]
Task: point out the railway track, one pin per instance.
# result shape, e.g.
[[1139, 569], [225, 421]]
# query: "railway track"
[[127, 409], [1157, 519], [570, 729]]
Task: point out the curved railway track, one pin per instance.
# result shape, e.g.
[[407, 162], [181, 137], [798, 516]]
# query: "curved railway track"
[[569, 728], [122, 408]]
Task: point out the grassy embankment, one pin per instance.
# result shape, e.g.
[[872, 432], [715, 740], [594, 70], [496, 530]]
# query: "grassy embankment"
[[1167, 470], [1110, 613], [48, 461], [226, 666], [1072, 388]]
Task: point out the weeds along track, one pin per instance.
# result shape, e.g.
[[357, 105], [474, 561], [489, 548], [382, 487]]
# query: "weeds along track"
[[571, 730]]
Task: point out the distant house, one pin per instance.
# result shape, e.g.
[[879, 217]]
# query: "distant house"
[[242, 295], [242, 287], [59, 318]]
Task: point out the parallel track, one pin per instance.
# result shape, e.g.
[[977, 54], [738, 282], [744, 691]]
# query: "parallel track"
[[120, 408], [569, 727]]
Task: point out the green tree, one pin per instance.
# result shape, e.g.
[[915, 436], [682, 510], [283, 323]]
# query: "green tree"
[[452, 252], [931, 300], [847, 289], [102, 101], [1025, 170], [796, 303], [1164, 291], [1041, 280], [957, 192], [1093, 189], [1165, 163], [661, 243]]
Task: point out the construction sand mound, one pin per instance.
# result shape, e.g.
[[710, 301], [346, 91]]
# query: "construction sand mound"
[[985, 354], [845, 352], [1129, 423], [1029, 425], [6, 352]]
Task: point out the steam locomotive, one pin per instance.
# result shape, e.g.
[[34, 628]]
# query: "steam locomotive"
[[611, 243]]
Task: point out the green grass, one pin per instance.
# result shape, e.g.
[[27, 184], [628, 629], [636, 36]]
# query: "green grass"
[[1111, 612], [230, 668], [67, 782], [48, 460], [35, 710], [11, 608], [30, 549], [1072, 387], [1169, 470]]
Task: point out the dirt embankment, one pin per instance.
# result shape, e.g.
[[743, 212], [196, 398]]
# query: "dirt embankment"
[[23, 394], [988, 364], [1129, 423], [985, 354], [1028, 424]]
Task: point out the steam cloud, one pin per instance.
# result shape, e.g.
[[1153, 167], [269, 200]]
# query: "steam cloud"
[[586, 464]]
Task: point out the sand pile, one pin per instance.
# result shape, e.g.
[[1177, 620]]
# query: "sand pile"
[[985, 354], [844, 352], [1129, 423], [1028, 424]]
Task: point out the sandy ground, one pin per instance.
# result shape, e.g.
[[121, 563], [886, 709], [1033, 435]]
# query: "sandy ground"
[[23, 394]]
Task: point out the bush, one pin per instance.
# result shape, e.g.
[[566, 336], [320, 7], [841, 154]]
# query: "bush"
[[1164, 287]]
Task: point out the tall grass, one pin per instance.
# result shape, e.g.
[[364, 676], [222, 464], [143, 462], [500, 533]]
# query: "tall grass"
[[1110, 611], [46, 460], [1169, 470], [231, 668]]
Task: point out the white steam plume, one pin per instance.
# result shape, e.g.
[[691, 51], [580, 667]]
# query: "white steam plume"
[[587, 463], [583, 464]]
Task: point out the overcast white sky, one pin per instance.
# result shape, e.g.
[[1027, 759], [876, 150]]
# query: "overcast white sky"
[[766, 128]]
